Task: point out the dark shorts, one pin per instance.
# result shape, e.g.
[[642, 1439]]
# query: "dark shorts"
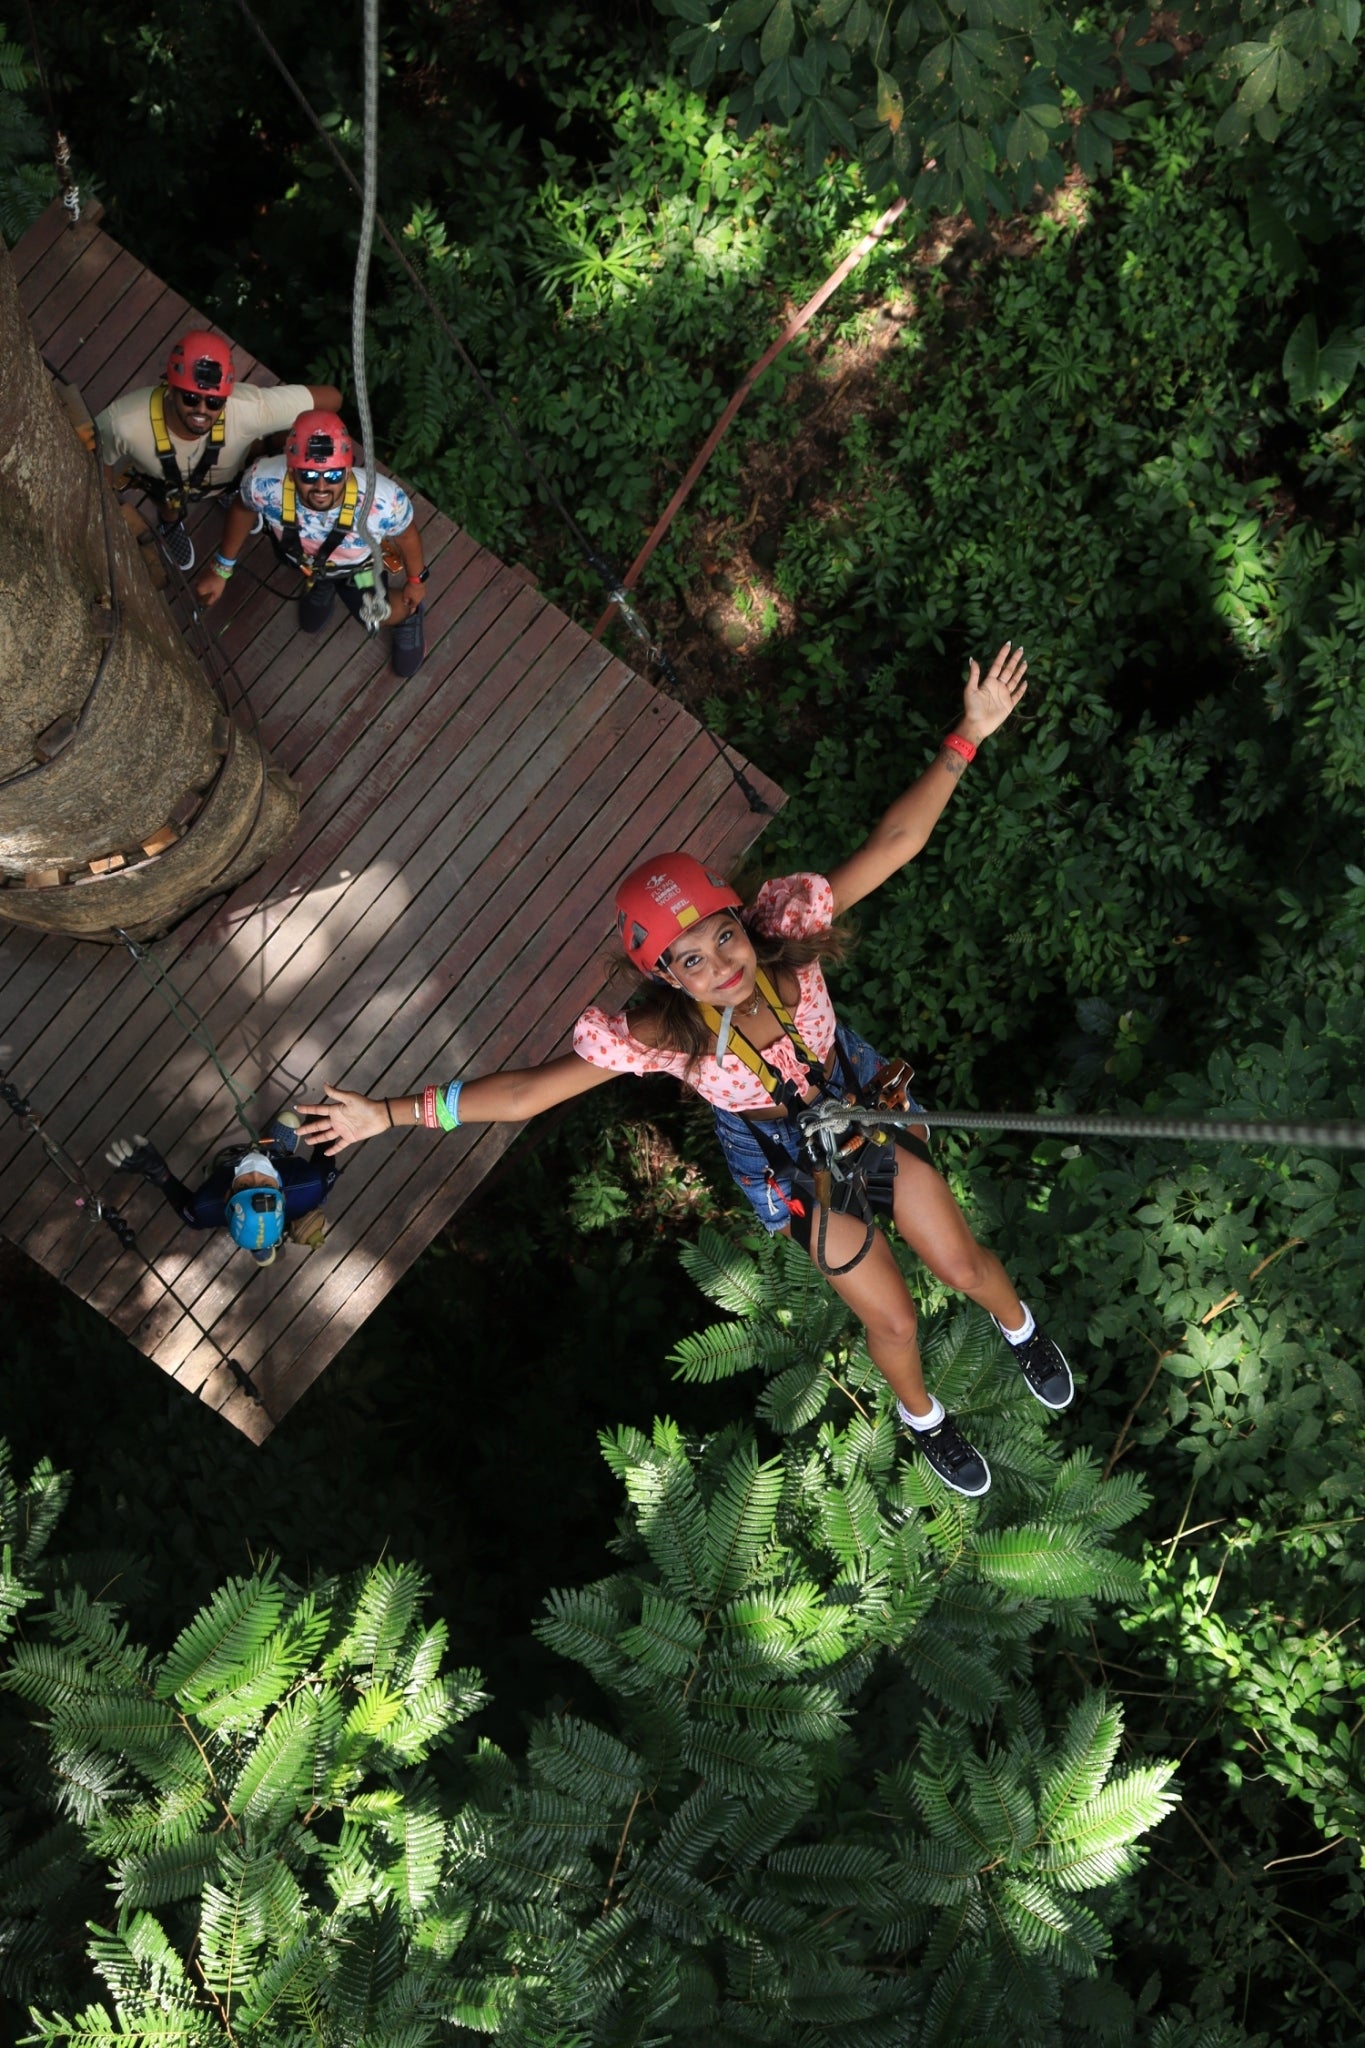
[[745, 1157]]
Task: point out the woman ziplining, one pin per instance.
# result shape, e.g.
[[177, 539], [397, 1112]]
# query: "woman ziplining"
[[734, 1004]]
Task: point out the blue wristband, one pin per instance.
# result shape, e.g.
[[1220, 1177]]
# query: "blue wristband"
[[448, 1106]]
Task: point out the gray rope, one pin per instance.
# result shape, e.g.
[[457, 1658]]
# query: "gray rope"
[[374, 605], [841, 1116]]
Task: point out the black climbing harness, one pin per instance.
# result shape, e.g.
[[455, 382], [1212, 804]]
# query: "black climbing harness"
[[848, 1170], [174, 492]]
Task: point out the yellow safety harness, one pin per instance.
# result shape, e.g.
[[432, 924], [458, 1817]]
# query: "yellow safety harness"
[[292, 539], [173, 490]]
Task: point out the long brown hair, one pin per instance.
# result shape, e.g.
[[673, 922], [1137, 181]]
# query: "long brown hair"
[[677, 1019]]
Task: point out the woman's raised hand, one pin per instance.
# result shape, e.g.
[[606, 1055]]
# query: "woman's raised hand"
[[988, 700], [342, 1119]]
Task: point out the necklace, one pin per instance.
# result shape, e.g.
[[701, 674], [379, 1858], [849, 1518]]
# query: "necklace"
[[751, 1009]]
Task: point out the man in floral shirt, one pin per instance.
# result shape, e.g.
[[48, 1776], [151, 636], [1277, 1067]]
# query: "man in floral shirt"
[[311, 499]]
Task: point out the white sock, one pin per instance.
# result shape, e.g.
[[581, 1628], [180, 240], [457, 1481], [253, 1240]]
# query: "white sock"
[[929, 1421], [1024, 1331]]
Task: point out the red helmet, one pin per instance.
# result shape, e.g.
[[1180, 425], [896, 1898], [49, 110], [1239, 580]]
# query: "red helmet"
[[319, 440], [201, 361], [663, 897]]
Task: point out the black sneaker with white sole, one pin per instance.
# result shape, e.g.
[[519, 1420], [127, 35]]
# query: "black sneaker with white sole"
[[958, 1464], [177, 546], [1046, 1372]]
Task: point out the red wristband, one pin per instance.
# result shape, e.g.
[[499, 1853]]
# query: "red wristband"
[[960, 746], [429, 1116]]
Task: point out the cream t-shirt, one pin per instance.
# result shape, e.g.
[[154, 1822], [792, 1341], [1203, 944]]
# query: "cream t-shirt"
[[127, 443]]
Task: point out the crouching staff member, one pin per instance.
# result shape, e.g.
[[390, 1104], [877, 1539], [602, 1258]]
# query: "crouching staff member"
[[311, 498], [736, 1006], [193, 435], [254, 1192]]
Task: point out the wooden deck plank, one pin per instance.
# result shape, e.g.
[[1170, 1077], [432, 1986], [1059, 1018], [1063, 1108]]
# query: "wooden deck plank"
[[67, 275], [50, 228], [440, 904], [220, 990], [723, 837], [375, 1198], [369, 962], [555, 1014]]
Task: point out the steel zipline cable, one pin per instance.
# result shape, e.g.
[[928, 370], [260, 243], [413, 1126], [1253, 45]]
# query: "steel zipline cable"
[[611, 582], [837, 1117]]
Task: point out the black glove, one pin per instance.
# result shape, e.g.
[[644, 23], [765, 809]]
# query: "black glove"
[[137, 1155]]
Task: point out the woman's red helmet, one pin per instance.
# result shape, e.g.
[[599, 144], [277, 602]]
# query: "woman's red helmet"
[[201, 361], [319, 440], [663, 897]]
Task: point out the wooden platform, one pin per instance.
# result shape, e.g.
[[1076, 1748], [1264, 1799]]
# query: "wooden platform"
[[444, 907]]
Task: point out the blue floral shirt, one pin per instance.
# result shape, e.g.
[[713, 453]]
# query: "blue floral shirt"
[[263, 490]]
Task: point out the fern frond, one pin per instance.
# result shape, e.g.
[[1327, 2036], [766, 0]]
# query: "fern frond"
[[766, 1822], [672, 1522], [587, 1762], [584, 1626], [1126, 1808], [960, 1678], [739, 1522], [1059, 1929], [180, 1870], [222, 1638], [795, 1398], [727, 1274], [742, 1761], [1094, 1729], [1049, 1561], [290, 1761], [384, 1612], [1001, 1803], [667, 1638], [725, 1349]]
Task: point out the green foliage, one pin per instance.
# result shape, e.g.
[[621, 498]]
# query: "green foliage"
[[977, 106], [27, 178], [716, 1857]]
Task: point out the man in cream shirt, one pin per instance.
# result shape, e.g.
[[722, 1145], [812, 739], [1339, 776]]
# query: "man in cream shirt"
[[192, 436]]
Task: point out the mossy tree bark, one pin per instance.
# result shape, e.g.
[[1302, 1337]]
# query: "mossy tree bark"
[[111, 738]]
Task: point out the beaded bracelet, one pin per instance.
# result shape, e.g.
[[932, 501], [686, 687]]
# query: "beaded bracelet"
[[958, 745], [448, 1106], [429, 1117]]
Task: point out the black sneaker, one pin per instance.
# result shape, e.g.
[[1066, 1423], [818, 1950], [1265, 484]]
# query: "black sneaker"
[[177, 546], [315, 606], [958, 1464], [1046, 1373]]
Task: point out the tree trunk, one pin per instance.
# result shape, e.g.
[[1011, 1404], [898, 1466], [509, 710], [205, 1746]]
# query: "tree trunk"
[[112, 741]]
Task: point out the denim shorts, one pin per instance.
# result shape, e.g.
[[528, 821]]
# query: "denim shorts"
[[745, 1157]]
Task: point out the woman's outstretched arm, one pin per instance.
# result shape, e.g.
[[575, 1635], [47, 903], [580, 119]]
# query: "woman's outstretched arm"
[[344, 1116], [987, 702]]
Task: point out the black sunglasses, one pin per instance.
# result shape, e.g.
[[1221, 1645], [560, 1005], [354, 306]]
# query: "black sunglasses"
[[197, 401], [320, 476]]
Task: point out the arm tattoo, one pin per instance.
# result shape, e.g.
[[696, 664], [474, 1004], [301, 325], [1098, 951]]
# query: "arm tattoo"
[[953, 762]]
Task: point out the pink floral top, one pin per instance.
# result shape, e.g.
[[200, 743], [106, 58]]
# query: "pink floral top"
[[793, 907]]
